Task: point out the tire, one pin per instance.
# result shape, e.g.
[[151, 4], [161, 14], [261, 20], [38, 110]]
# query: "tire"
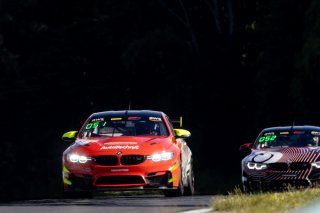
[[245, 188], [175, 192], [250, 187], [189, 190]]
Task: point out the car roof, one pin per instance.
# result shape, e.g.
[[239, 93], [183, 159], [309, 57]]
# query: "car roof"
[[290, 128], [128, 112]]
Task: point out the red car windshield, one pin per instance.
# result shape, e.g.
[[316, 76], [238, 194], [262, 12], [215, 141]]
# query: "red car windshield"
[[124, 126], [295, 138]]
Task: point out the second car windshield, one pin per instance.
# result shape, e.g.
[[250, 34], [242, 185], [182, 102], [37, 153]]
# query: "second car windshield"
[[124, 126], [288, 139]]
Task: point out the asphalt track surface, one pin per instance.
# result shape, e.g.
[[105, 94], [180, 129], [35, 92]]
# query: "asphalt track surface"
[[116, 204]]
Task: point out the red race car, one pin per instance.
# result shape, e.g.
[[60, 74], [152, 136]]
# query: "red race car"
[[127, 150]]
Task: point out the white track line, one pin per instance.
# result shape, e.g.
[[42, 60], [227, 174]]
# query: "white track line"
[[198, 211]]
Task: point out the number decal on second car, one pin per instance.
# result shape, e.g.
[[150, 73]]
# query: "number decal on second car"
[[267, 138]]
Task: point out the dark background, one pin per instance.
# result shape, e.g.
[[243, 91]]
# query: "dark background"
[[229, 67]]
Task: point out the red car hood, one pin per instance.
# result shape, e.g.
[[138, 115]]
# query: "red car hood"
[[285, 154], [127, 145]]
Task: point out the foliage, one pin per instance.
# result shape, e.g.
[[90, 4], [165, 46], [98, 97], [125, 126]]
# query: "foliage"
[[239, 202]]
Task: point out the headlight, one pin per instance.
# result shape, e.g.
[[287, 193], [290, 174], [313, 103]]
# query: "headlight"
[[316, 164], [257, 166], [162, 156], [75, 158]]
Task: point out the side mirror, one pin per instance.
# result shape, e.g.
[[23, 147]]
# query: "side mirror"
[[246, 147], [182, 133], [70, 136]]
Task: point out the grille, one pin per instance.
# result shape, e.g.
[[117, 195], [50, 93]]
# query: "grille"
[[132, 159], [106, 160], [299, 166], [114, 180], [278, 166], [293, 166]]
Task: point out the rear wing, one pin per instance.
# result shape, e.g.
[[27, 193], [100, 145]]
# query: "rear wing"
[[177, 121]]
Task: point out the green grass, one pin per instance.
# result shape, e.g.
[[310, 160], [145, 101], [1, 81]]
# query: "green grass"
[[274, 202]]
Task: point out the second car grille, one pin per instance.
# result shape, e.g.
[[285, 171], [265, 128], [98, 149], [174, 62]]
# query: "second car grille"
[[106, 160], [293, 166], [278, 166], [299, 166], [132, 159]]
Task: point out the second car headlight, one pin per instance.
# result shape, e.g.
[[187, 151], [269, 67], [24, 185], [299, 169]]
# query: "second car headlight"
[[162, 156], [256, 166], [75, 158], [316, 164]]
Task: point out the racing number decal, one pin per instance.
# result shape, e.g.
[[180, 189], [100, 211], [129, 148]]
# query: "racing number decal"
[[267, 138], [94, 125]]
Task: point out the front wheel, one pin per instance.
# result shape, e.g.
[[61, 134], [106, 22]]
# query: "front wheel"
[[175, 192], [245, 188], [253, 187], [189, 189]]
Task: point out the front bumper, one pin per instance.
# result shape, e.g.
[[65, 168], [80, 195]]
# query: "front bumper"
[[267, 180], [150, 175]]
